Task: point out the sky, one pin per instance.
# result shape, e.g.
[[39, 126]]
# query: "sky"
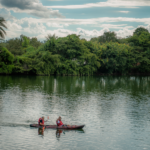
[[87, 18]]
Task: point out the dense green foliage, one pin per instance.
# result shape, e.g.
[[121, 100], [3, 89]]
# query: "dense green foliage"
[[139, 31], [74, 56], [6, 61], [114, 57], [106, 37], [141, 48]]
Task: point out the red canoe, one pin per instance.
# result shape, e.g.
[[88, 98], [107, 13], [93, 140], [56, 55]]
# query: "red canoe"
[[68, 127]]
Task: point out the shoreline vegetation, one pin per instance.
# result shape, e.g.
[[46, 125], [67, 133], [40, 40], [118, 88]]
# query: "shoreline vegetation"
[[72, 56]]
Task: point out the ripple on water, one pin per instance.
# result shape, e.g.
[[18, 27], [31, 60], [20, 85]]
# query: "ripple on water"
[[115, 111]]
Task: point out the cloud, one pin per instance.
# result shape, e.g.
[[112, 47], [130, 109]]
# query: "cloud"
[[56, 25], [124, 11], [87, 34], [108, 3], [14, 26], [33, 7], [92, 21], [40, 27], [40, 32], [112, 26], [6, 14], [12, 34]]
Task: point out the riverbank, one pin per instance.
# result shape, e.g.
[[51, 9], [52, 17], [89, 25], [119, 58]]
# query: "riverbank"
[[96, 74]]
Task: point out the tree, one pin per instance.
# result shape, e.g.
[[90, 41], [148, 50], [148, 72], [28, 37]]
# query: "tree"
[[94, 39], [139, 31], [113, 57], [49, 37], [107, 37], [2, 26], [15, 46], [25, 42], [6, 61], [34, 42], [141, 42]]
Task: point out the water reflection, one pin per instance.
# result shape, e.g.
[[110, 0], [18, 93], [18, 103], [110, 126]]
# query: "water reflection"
[[61, 131], [41, 131], [58, 132], [76, 85]]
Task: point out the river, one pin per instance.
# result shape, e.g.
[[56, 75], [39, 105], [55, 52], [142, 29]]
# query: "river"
[[115, 111]]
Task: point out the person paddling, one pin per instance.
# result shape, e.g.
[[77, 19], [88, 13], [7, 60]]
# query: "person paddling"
[[41, 121], [59, 122]]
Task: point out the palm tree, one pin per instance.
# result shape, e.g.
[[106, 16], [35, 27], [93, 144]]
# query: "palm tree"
[[2, 26], [49, 37]]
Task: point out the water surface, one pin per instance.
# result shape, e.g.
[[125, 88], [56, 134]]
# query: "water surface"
[[115, 110]]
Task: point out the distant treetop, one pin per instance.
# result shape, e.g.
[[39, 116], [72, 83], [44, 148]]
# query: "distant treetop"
[[139, 30]]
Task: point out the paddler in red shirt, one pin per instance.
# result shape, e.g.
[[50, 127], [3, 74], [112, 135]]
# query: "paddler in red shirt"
[[41, 121], [59, 122]]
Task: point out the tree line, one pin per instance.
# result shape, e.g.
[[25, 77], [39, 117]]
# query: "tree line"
[[72, 55]]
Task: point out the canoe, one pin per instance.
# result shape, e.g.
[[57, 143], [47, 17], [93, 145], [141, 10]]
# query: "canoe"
[[68, 127]]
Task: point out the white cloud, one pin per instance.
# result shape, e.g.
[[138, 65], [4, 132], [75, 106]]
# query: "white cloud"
[[40, 32], [112, 26], [6, 14], [124, 32], [92, 21], [14, 26], [124, 11], [12, 34], [56, 25], [37, 27], [87, 34], [108, 3]]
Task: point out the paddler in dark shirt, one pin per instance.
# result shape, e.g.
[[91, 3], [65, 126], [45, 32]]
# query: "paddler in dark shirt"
[[41, 121]]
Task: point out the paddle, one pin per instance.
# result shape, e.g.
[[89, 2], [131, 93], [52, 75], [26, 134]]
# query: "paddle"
[[50, 120]]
